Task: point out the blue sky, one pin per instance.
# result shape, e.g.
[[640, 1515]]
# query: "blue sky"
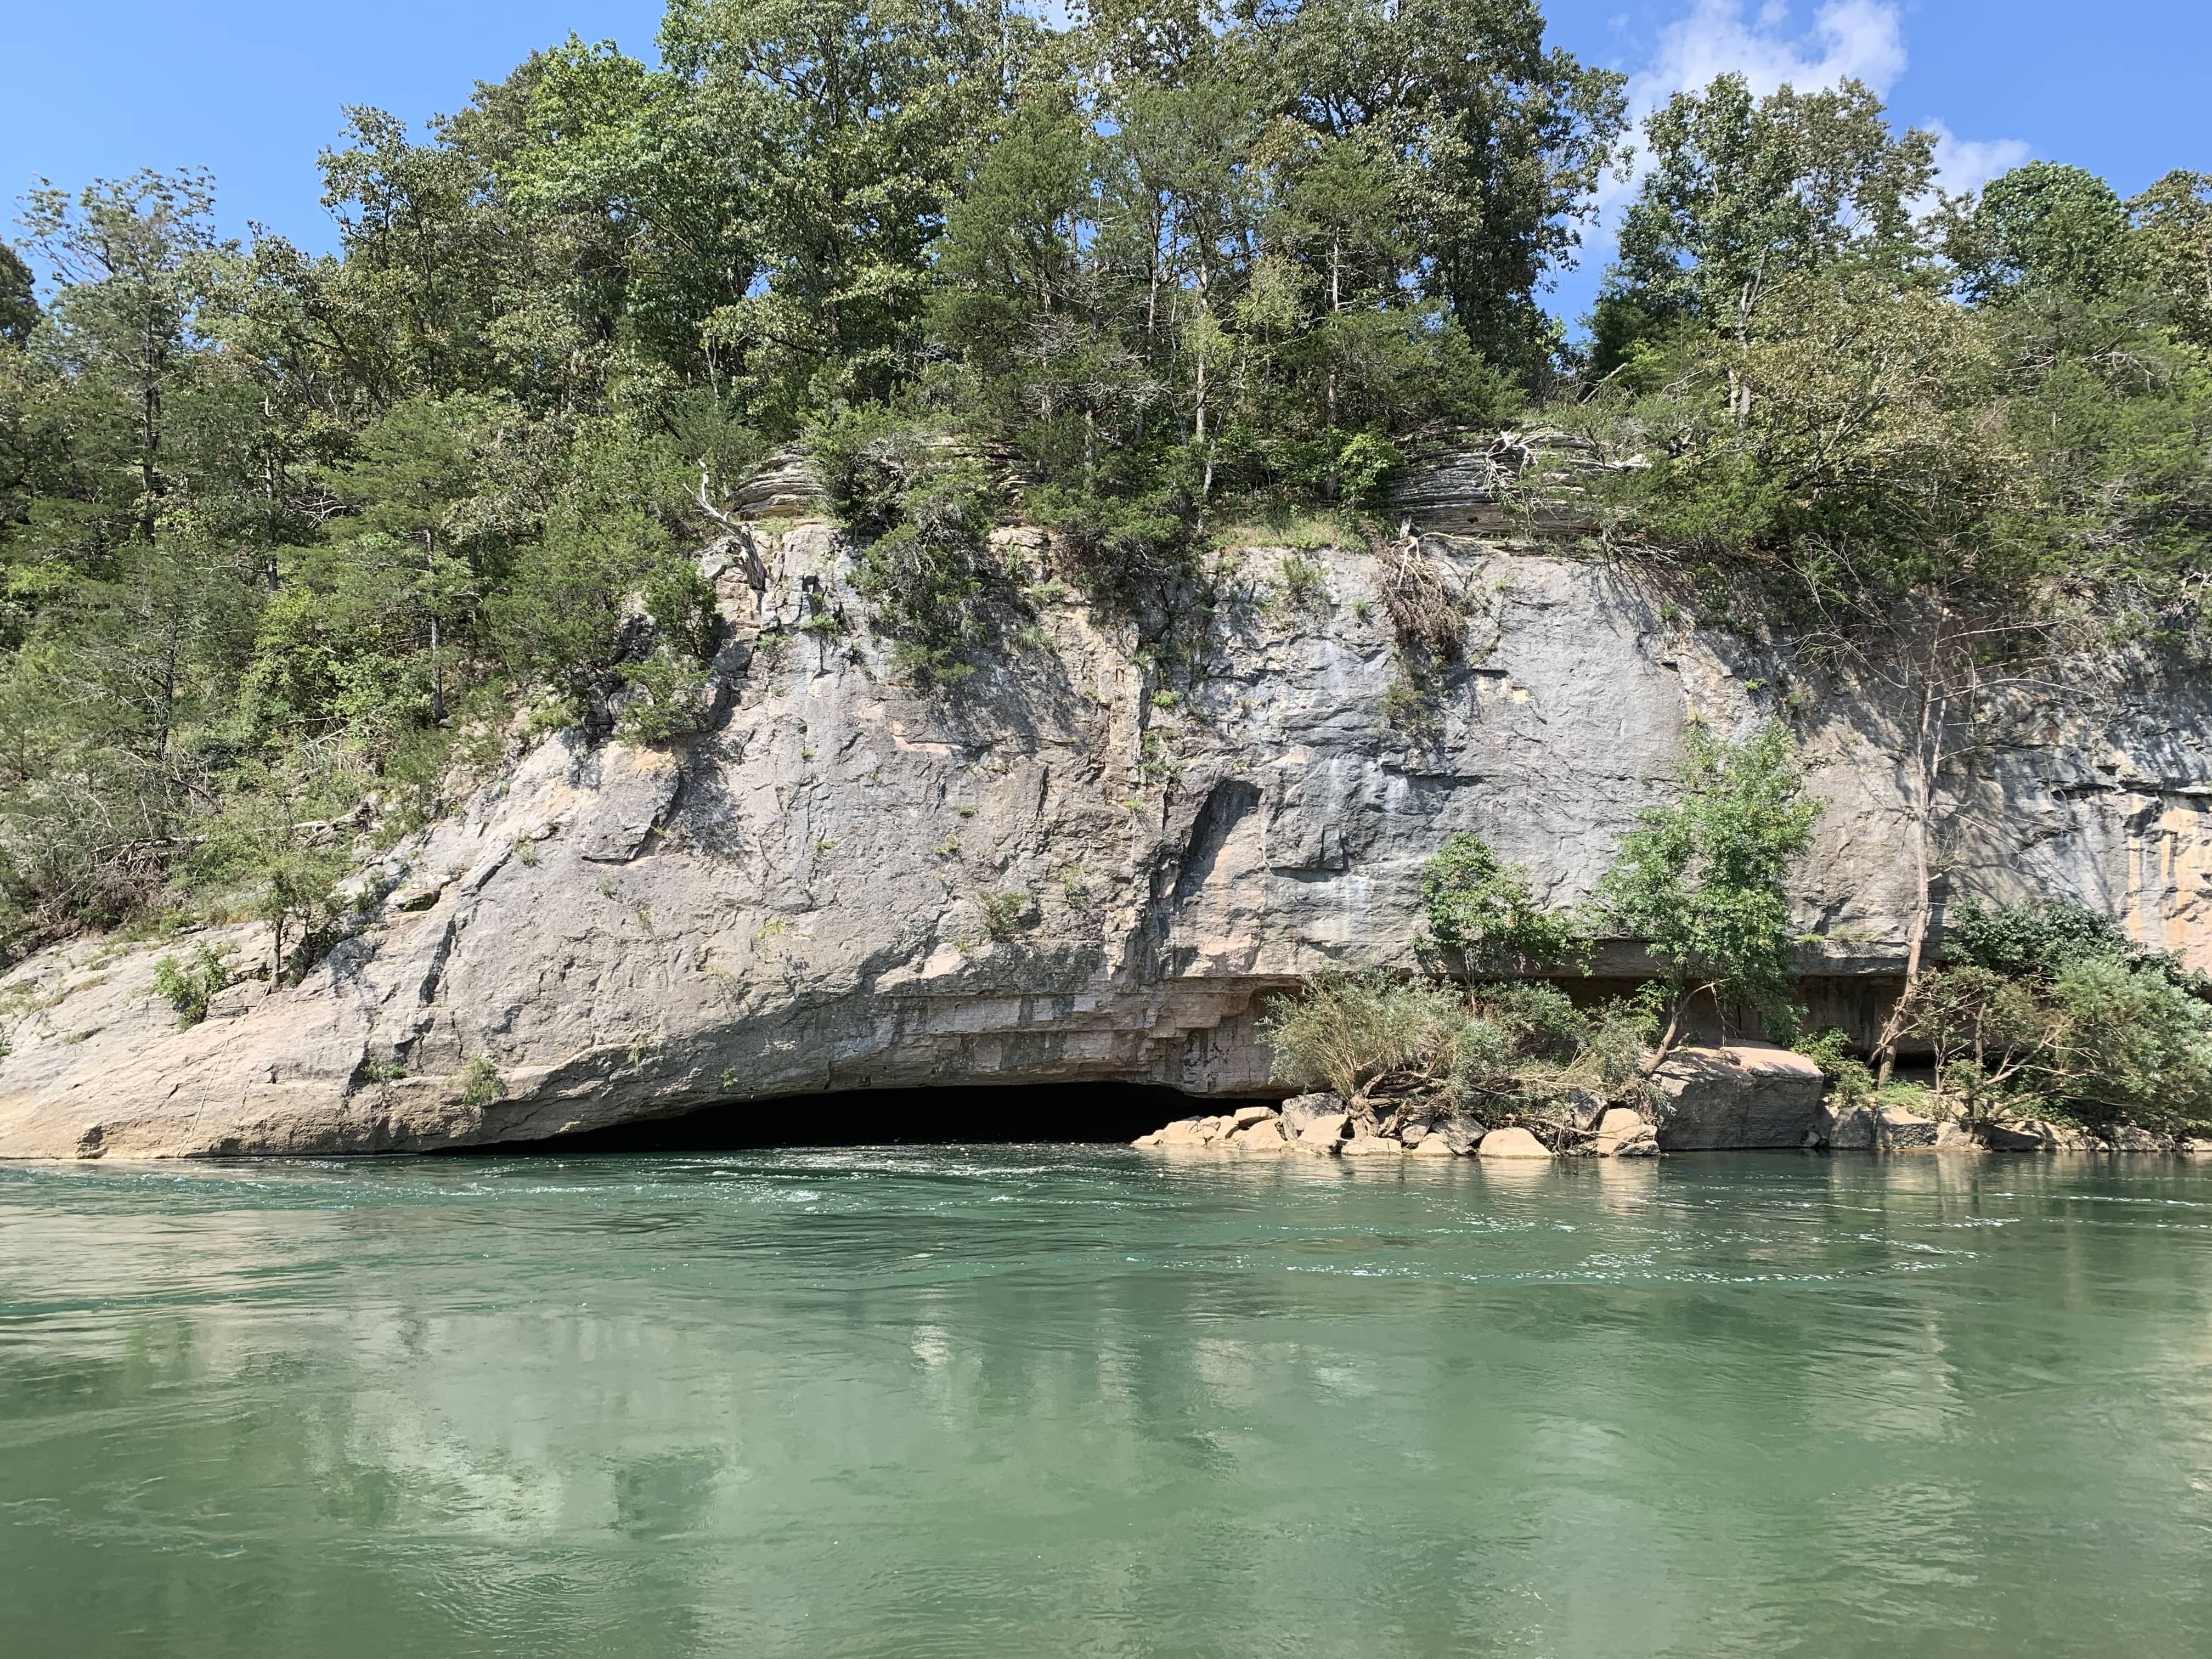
[[252, 89]]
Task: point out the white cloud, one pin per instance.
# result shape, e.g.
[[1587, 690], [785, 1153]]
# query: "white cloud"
[[1861, 39], [1964, 164]]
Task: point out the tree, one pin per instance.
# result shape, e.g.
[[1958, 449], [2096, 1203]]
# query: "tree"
[[1498, 142], [19, 298], [137, 258], [2040, 229], [851, 124], [2172, 244], [1487, 912], [1701, 881], [1744, 192], [2050, 1004]]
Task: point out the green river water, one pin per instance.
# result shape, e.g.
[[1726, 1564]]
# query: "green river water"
[[1013, 1400]]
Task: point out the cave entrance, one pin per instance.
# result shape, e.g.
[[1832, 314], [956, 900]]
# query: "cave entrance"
[[1092, 1113]]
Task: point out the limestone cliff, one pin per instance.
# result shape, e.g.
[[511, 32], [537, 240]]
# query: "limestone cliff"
[[1060, 869]]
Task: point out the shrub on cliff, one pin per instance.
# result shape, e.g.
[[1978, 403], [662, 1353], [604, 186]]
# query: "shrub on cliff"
[[1702, 879], [1488, 914]]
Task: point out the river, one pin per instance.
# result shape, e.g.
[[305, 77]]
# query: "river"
[[1012, 1400]]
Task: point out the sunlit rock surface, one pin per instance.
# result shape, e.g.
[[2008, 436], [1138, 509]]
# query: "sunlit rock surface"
[[1062, 869]]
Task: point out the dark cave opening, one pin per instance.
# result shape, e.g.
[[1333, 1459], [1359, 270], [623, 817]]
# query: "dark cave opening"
[[1004, 1115]]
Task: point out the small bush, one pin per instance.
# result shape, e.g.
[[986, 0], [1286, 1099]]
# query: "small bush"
[[1304, 584], [481, 1084], [1354, 1032], [1488, 912], [1002, 914], [1504, 1049], [933, 578], [672, 698], [1850, 1082], [189, 986]]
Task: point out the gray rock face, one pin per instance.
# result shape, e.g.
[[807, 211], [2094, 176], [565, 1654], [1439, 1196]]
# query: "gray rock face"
[[1898, 1130], [2031, 1134], [1060, 870], [1744, 1096]]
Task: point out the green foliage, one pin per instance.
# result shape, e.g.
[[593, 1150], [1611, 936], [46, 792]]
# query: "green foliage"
[[1850, 1080], [2050, 1008], [1504, 1049], [481, 1084], [19, 299], [937, 586], [1702, 880], [1745, 193], [2040, 229], [2037, 938], [190, 986], [1353, 1033], [1002, 914], [1487, 912]]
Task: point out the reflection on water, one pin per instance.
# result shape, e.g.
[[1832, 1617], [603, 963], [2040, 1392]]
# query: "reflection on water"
[[1046, 1401]]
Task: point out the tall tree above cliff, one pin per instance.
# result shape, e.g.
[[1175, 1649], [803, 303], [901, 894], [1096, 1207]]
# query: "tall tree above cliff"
[[1498, 142], [850, 124], [1744, 192]]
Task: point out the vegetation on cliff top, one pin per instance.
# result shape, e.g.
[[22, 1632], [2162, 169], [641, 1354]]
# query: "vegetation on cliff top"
[[280, 530]]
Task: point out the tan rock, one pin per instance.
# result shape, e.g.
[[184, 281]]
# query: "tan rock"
[[1431, 1146], [1512, 1143], [1745, 1094], [1245, 1116], [1373, 1147], [1323, 1134], [2194, 1146], [1265, 1135], [1624, 1133]]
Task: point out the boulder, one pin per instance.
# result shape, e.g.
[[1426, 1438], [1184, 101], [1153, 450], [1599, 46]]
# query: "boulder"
[[1897, 1130], [1744, 1095], [1373, 1147], [1435, 1146], [1624, 1133], [1245, 1116], [1184, 1134], [1956, 1138], [1461, 1131], [2193, 1146], [1261, 1135], [1325, 1133], [1580, 1106], [1301, 1110], [1512, 1143], [2129, 1138], [1413, 1134], [1843, 1128], [2032, 1134]]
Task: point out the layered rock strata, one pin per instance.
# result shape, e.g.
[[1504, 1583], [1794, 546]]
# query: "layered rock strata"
[[1073, 866]]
